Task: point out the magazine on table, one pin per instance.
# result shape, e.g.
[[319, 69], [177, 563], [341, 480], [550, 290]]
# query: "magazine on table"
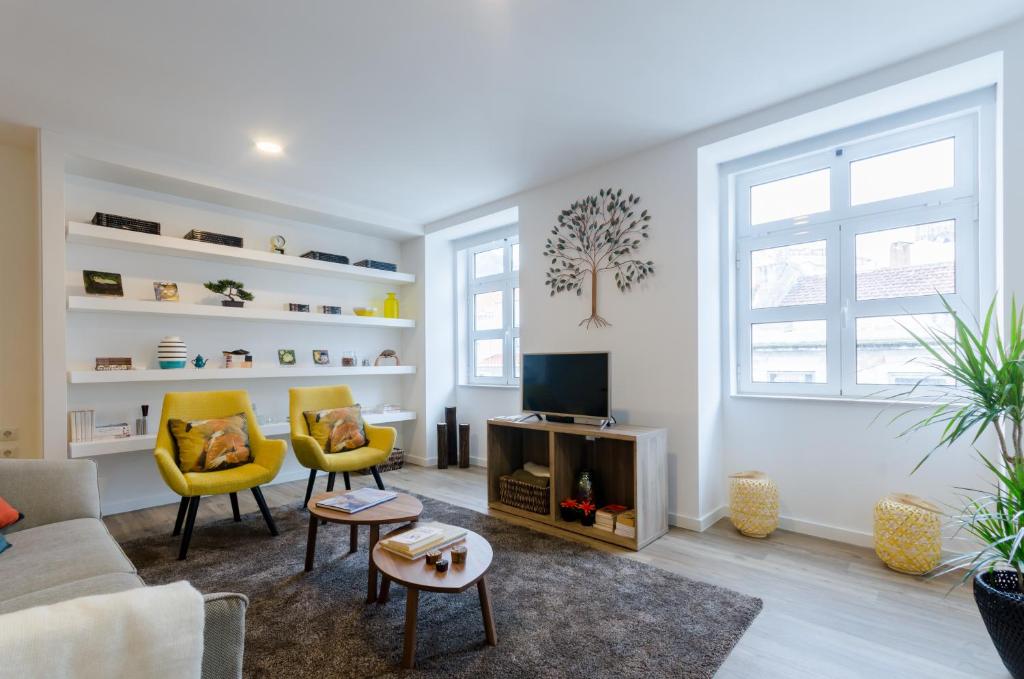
[[357, 500]]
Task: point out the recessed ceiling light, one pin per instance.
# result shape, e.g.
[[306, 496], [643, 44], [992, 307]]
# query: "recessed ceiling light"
[[269, 147]]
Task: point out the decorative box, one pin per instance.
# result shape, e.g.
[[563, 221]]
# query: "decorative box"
[[113, 431], [333, 310], [524, 495], [126, 223], [375, 264], [239, 358], [395, 461], [105, 363], [326, 257], [292, 306], [216, 238]]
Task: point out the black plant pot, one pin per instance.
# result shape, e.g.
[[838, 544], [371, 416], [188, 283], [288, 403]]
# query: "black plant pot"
[[569, 514], [588, 519], [232, 302], [1002, 608]]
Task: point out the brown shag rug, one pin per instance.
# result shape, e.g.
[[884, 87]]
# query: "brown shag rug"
[[562, 609]]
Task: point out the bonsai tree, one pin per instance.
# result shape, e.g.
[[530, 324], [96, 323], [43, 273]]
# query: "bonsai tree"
[[598, 233], [986, 392], [234, 291]]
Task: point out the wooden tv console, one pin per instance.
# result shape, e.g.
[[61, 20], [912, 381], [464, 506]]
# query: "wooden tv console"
[[629, 463]]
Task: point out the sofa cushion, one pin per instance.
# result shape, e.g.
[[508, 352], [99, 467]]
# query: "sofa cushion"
[[100, 584], [58, 553]]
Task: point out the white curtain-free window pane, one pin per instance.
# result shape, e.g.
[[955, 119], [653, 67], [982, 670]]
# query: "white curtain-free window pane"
[[517, 357], [918, 169], [907, 262], [515, 256], [788, 276], [804, 194], [489, 358], [515, 307], [487, 311], [887, 354], [788, 352], [489, 263]]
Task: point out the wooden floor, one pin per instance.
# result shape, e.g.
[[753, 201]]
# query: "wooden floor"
[[830, 609]]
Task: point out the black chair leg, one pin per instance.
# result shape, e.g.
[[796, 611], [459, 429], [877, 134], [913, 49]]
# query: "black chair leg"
[[258, 494], [376, 477], [330, 481], [348, 482], [234, 506], [190, 522], [309, 487], [181, 517]]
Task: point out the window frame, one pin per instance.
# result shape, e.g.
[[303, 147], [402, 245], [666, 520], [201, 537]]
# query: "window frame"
[[839, 227], [505, 282]]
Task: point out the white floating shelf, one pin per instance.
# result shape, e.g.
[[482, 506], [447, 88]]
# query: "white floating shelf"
[[135, 443], [185, 374], [90, 234], [119, 305]]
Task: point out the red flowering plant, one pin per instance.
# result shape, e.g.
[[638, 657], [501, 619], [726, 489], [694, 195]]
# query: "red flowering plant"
[[570, 509], [588, 509]]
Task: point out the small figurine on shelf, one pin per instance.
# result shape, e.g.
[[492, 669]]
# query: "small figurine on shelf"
[[387, 357], [199, 362], [277, 245], [235, 292]]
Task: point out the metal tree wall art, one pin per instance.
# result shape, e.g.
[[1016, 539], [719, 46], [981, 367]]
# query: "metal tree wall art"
[[598, 233]]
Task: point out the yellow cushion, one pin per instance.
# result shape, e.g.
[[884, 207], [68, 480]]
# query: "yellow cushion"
[[337, 429], [228, 480], [211, 445], [353, 460]]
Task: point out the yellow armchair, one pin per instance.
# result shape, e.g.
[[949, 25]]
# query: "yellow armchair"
[[268, 455], [380, 440]]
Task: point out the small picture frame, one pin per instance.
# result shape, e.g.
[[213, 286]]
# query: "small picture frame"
[[293, 306], [103, 283], [165, 291], [321, 357], [286, 357]]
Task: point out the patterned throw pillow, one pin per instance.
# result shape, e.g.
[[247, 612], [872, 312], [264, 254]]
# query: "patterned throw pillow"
[[337, 429], [211, 445]]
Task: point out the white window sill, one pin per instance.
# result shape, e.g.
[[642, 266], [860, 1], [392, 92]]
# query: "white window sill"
[[865, 400], [487, 386]]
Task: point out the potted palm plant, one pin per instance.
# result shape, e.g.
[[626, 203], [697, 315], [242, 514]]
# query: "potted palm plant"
[[986, 369]]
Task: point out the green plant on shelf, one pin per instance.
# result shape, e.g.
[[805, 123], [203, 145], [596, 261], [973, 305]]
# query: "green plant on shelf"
[[234, 291]]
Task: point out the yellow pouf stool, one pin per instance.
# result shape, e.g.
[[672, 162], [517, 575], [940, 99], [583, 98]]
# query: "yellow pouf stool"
[[753, 504], [908, 533]]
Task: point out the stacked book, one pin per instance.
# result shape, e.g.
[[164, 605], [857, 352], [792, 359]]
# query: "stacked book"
[[625, 524], [416, 542], [357, 500], [604, 519]]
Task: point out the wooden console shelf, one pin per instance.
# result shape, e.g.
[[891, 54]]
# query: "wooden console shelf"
[[629, 464]]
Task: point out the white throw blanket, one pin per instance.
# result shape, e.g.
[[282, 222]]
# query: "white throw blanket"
[[149, 632]]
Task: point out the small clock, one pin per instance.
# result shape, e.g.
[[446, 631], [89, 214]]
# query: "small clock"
[[277, 244]]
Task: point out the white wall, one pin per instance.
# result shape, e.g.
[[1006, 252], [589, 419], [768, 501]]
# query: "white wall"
[[475, 405], [831, 462], [130, 480]]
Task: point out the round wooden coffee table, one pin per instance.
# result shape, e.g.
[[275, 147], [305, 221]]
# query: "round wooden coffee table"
[[419, 576], [402, 508]]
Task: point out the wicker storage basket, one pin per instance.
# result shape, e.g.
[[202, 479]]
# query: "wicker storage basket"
[[395, 461], [753, 504], [524, 495], [908, 533]]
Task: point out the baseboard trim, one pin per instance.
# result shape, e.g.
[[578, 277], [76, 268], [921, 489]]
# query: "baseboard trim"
[[802, 526]]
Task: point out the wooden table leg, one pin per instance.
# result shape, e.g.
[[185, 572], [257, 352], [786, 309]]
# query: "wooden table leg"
[[311, 541], [371, 586], [385, 589], [412, 602], [485, 608], [353, 539]]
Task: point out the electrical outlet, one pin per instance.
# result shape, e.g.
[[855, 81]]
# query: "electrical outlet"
[[8, 451], [8, 433]]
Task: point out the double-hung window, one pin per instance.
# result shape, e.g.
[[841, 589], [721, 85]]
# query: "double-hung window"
[[843, 252], [493, 312]]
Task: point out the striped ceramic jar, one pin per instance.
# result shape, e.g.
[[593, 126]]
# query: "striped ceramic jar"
[[172, 352]]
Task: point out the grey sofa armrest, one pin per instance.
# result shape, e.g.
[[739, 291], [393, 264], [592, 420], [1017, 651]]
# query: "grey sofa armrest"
[[224, 635], [47, 491]]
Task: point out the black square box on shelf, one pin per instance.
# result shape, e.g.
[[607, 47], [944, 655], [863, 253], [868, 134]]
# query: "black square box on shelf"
[[211, 237], [126, 223], [326, 257], [375, 264]]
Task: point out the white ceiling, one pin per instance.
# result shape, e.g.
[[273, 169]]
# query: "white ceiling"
[[423, 108]]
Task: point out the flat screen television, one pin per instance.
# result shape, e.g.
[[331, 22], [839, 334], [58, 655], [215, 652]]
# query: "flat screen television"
[[566, 385]]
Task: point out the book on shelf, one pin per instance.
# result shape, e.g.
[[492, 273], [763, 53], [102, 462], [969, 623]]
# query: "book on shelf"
[[357, 500], [415, 543], [625, 524], [605, 518]]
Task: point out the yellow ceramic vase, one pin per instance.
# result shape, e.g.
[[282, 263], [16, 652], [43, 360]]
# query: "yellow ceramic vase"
[[908, 533], [391, 306], [753, 504]]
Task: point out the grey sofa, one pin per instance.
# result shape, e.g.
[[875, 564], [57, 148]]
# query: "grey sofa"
[[62, 550]]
